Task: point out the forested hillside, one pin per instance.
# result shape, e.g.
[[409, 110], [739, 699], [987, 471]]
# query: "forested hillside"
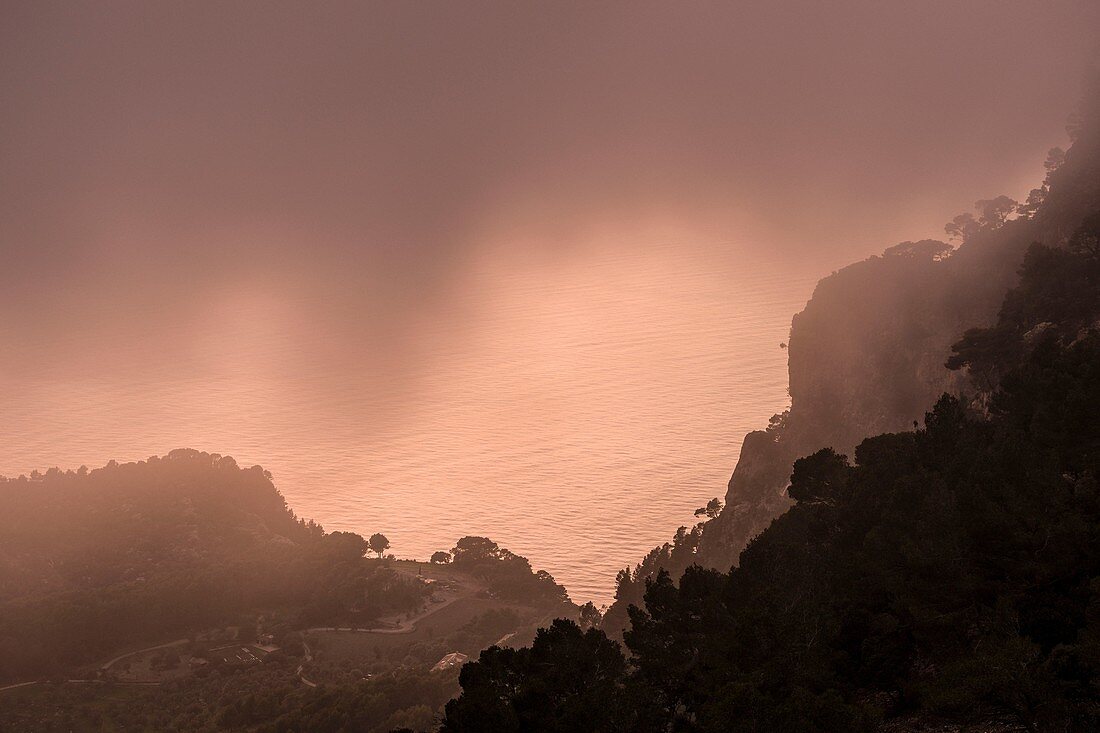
[[867, 354], [91, 561], [285, 627], [943, 576]]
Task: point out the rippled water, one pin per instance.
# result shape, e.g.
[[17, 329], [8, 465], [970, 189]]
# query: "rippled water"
[[576, 412]]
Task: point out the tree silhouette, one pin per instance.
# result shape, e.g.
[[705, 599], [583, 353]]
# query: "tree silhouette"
[[711, 510], [992, 215], [378, 543], [590, 616]]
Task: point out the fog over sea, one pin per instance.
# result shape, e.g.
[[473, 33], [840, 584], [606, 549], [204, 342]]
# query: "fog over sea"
[[576, 410]]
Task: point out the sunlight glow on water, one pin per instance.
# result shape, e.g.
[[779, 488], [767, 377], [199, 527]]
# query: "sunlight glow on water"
[[576, 413]]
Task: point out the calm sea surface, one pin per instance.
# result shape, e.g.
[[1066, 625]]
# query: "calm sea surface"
[[577, 412]]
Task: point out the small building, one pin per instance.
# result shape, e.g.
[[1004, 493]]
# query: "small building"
[[234, 655], [454, 659]]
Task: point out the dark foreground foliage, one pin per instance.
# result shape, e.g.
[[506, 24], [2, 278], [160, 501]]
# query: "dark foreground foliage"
[[951, 572], [265, 699]]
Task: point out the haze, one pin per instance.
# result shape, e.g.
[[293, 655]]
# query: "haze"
[[436, 265]]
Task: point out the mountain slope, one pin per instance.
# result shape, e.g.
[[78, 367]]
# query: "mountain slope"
[[947, 579], [867, 354], [93, 561]]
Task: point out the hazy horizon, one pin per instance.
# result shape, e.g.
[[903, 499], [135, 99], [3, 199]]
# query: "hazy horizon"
[[335, 240]]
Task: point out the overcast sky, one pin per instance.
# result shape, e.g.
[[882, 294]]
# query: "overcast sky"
[[155, 154]]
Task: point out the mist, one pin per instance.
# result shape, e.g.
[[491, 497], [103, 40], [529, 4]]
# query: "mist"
[[381, 367], [352, 160]]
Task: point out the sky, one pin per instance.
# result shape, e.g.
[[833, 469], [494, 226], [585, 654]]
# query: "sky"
[[170, 167]]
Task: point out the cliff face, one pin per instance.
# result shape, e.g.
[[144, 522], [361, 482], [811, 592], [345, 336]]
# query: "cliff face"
[[866, 356]]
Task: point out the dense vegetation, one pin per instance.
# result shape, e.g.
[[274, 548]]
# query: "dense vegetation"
[[507, 575], [266, 699], [93, 561], [866, 355], [952, 571], [97, 562]]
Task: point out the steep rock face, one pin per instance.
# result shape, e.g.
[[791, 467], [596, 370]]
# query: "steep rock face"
[[756, 494], [866, 356], [867, 353]]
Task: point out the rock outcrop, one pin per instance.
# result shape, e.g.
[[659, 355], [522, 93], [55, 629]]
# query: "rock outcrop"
[[866, 356]]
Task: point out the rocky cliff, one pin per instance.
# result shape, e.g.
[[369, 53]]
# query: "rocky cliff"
[[866, 355]]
